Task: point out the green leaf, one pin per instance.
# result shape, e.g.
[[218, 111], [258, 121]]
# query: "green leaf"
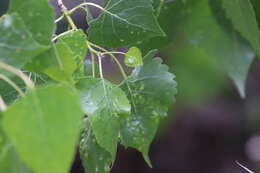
[[256, 5], [38, 17], [202, 25], [76, 41], [104, 103], [9, 160], [133, 57], [151, 90], [124, 23], [43, 61], [199, 76], [67, 64], [168, 25], [17, 45], [40, 124], [94, 158], [242, 15], [151, 54], [89, 16]]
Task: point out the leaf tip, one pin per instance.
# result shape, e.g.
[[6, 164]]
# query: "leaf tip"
[[147, 159]]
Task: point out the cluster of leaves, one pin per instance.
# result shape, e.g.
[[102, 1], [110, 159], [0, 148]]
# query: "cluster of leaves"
[[65, 101], [56, 104]]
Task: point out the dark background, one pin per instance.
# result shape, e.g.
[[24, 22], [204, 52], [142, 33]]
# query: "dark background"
[[207, 130]]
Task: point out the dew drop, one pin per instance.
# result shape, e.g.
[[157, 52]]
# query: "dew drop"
[[154, 113], [7, 21], [131, 60], [107, 168]]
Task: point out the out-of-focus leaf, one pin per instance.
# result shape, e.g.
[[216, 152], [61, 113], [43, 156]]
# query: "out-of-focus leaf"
[[88, 67], [70, 51], [242, 15], [9, 160], [17, 45], [67, 64], [43, 61], [38, 126], [38, 17], [202, 25]]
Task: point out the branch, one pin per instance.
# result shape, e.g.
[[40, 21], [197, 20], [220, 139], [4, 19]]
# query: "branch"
[[67, 14]]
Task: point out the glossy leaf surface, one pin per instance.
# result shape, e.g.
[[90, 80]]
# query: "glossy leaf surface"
[[94, 158], [104, 103], [151, 90], [242, 15], [76, 41], [133, 57], [124, 23]]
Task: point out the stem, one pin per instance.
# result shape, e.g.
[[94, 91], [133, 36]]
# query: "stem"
[[18, 73], [91, 49], [159, 8], [245, 168], [66, 14], [115, 52], [82, 6], [10, 82], [120, 66], [93, 64], [100, 66], [59, 19], [87, 4], [112, 56], [62, 34], [3, 106]]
